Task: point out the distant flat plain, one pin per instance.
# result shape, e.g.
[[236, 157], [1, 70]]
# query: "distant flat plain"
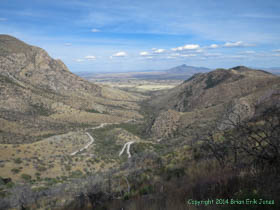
[[140, 82]]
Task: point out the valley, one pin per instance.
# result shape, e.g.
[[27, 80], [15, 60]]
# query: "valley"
[[132, 140], [138, 85]]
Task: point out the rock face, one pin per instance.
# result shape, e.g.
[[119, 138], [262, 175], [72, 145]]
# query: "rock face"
[[40, 97], [166, 124], [33, 65], [215, 91]]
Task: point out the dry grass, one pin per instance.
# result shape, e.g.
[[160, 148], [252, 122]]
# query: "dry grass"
[[51, 157], [140, 85]]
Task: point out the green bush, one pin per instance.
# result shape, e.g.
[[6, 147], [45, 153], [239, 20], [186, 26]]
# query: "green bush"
[[126, 196], [76, 174], [68, 167], [10, 185], [40, 110], [18, 161], [41, 168], [26, 177], [1, 181], [146, 190], [92, 110], [51, 181], [15, 170], [37, 174]]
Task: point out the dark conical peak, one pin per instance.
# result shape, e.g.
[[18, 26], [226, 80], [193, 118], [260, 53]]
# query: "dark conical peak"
[[185, 68]]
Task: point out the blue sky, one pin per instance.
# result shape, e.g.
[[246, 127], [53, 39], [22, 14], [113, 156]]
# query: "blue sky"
[[126, 35]]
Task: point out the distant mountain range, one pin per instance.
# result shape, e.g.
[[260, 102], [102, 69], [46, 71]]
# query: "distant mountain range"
[[274, 70], [181, 72]]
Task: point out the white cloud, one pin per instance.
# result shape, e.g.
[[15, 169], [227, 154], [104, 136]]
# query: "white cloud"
[[90, 57], [120, 54], [276, 55], [277, 50], [144, 53], [191, 47], [261, 16], [68, 44], [188, 55], [187, 47], [174, 55], [3, 19], [213, 46], [199, 50], [233, 44], [237, 56], [248, 52], [159, 50], [177, 49], [146, 57], [79, 60], [95, 30], [212, 54], [237, 44]]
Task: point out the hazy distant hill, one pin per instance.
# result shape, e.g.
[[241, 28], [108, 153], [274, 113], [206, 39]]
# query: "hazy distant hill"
[[186, 69], [177, 73], [274, 70], [41, 97]]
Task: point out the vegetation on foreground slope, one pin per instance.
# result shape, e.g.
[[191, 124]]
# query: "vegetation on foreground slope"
[[215, 136]]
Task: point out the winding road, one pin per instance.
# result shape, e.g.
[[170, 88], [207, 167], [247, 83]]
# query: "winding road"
[[126, 145], [85, 147], [92, 140], [100, 126]]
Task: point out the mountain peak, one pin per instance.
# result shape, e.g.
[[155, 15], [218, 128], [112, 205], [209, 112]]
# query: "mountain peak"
[[32, 65], [241, 68], [185, 68], [7, 37], [10, 44], [215, 87], [244, 69]]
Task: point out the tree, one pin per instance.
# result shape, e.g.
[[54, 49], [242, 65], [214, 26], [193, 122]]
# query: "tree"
[[257, 138]]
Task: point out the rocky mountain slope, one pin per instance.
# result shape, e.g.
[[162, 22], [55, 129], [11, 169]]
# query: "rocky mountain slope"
[[41, 97], [28, 64], [205, 98]]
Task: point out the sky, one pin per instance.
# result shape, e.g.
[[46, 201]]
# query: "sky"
[[133, 35]]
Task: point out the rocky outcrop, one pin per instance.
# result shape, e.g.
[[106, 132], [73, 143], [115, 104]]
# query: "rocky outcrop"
[[166, 124], [33, 65]]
